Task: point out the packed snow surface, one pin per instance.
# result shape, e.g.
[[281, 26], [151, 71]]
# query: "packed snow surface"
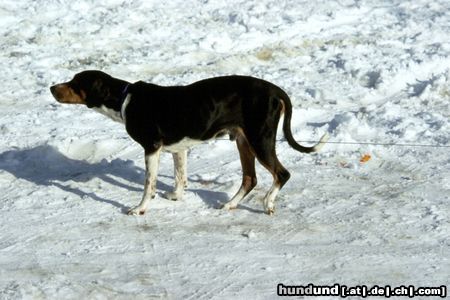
[[366, 71]]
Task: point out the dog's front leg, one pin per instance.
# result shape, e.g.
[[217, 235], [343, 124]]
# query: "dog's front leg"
[[151, 172], [180, 174]]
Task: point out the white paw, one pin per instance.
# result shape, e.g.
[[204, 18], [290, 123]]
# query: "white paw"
[[172, 196], [269, 208], [229, 206], [136, 211]]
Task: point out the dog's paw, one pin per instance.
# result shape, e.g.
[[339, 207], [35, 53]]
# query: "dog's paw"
[[229, 206], [136, 211], [269, 208], [270, 211], [172, 196]]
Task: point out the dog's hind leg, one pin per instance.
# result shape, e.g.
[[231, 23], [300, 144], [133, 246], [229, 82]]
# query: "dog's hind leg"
[[180, 174], [151, 172], [280, 176], [248, 171], [264, 148]]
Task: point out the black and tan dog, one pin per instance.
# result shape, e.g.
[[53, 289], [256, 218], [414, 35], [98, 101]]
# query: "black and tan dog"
[[174, 118]]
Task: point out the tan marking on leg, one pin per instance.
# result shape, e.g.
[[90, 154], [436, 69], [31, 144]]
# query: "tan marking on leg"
[[249, 180]]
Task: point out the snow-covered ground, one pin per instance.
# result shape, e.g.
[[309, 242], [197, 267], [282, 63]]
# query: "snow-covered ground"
[[363, 70]]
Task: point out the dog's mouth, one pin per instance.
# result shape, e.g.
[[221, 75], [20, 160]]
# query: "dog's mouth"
[[65, 94]]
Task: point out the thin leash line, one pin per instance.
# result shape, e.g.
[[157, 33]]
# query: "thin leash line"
[[380, 144], [367, 143]]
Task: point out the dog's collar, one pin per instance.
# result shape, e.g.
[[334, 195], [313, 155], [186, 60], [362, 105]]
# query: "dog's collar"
[[124, 101]]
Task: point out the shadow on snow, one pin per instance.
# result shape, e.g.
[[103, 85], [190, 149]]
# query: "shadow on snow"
[[44, 165]]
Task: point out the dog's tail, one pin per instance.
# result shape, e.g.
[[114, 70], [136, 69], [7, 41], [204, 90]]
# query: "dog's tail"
[[286, 102]]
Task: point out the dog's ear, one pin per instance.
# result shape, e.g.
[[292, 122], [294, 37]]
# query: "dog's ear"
[[101, 89], [98, 94]]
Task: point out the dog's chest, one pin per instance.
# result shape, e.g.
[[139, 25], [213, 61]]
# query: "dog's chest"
[[182, 145]]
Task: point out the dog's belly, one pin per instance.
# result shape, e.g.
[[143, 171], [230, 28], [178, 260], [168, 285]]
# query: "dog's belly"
[[182, 145], [187, 142]]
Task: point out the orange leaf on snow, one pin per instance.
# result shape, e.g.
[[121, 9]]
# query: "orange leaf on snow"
[[365, 158]]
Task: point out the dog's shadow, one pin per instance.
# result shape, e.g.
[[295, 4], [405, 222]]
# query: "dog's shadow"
[[45, 166]]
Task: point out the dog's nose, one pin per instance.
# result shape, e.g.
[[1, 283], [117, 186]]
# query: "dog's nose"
[[52, 89]]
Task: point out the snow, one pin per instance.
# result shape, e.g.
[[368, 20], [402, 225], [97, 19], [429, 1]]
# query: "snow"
[[365, 71]]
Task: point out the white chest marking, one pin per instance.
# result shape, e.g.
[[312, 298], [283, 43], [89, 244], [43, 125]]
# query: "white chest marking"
[[124, 107], [109, 112], [118, 116], [182, 145]]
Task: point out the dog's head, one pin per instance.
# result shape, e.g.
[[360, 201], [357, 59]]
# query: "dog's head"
[[92, 88]]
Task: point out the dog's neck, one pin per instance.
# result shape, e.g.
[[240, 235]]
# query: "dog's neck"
[[117, 115]]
